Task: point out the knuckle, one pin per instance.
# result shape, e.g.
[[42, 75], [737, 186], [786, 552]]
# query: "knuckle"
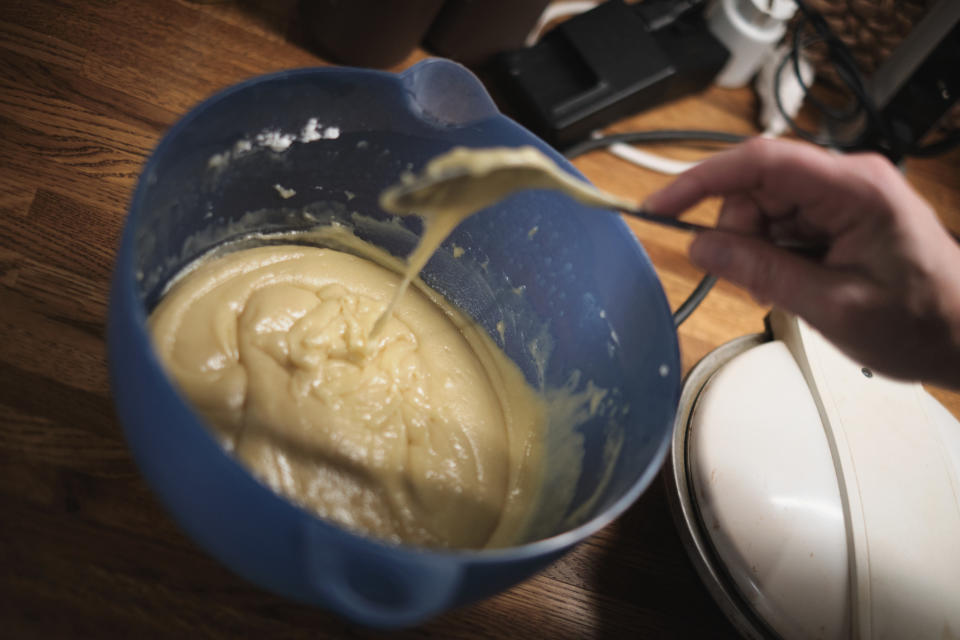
[[873, 165], [693, 182], [851, 302], [763, 279], [757, 146]]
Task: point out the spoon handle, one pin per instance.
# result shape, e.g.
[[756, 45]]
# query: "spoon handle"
[[643, 214], [813, 250]]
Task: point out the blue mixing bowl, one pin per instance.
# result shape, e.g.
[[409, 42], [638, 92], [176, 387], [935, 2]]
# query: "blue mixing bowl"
[[591, 304]]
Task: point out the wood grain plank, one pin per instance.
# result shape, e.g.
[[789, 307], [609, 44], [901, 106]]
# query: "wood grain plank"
[[273, 20], [25, 133], [35, 343], [62, 23], [64, 233], [938, 180], [40, 80], [39, 45], [15, 197], [102, 495], [27, 171], [207, 55], [62, 294]]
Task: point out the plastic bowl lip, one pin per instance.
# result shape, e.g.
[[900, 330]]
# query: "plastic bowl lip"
[[126, 287]]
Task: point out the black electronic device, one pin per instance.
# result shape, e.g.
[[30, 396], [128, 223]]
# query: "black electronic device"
[[606, 64], [916, 86], [898, 109]]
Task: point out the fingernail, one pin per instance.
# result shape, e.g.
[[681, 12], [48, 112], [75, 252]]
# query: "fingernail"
[[708, 253]]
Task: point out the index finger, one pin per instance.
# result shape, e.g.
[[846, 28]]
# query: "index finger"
[[781, 175]]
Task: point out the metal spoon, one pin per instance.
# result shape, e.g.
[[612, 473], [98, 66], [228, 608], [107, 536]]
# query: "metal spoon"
[[463, 181]]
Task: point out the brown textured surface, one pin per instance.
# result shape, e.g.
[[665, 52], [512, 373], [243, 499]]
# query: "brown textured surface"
[[871, 28], [86, 90]]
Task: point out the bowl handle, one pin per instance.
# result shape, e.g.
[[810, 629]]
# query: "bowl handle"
[[376, 585], [446, 93]]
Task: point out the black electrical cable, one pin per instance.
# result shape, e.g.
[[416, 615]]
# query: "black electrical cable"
[[693, 301], [859, 106], [666, 135], [840, 115], [862, 104], [799, 131]]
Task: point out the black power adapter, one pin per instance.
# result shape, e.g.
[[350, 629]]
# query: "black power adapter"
[[917, 86], [605, 64]]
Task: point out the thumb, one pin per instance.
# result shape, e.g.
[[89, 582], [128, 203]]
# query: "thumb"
[[770, 274]]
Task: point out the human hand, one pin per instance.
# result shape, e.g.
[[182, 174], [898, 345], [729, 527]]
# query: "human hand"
[[887, 291]]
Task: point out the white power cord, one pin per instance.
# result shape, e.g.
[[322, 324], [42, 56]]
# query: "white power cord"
[[791, 92], [648, 160], [555, 11]]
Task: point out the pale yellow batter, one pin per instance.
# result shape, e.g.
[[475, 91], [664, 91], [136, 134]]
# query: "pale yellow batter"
[[389, 413], [459, 183], [424, 434]]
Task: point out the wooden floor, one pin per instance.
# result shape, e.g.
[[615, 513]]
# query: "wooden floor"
[[86, 90]]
